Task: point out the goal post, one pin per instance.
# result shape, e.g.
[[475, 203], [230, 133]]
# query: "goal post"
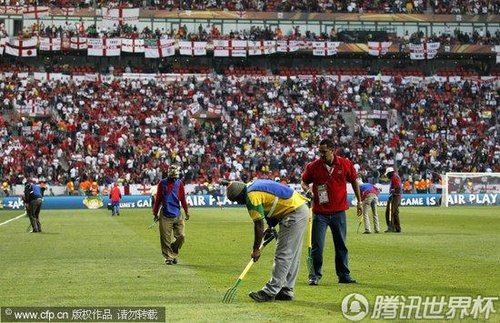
[[470, 189]]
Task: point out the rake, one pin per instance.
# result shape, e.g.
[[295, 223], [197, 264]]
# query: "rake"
[[359, 223], [230, 294], [153, 224], [155, 221]]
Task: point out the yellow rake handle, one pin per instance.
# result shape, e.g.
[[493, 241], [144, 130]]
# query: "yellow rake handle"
[[247, 268], [310, 227], [390, 211]]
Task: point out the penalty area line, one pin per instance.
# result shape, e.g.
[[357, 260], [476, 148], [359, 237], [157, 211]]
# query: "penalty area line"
[[13, 219]]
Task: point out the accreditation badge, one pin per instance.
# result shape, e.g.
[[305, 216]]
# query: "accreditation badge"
[[323, 194]]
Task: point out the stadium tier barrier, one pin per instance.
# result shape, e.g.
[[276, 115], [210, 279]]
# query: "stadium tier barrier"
[[144, 201], [173, 77]]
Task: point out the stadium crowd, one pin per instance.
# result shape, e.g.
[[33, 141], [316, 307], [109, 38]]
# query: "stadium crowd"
[[473, 7], [223, 127]]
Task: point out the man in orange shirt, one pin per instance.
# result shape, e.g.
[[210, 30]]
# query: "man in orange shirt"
[[115, 195]]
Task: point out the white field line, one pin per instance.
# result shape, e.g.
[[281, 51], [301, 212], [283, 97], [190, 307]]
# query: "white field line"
[[13, 219]]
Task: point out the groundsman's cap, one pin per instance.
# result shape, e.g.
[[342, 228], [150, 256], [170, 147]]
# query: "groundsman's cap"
[[234, 190]]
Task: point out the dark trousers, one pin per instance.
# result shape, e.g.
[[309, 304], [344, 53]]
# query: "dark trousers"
[[33, 211], [337, 223], [392, 213]]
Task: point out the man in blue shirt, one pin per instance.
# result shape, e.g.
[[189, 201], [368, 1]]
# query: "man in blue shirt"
[[33, 201]]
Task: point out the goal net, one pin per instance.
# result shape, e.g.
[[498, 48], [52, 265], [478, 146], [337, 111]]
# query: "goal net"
[[470, 189]]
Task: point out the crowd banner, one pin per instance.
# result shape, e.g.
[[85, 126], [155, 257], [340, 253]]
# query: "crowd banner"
[[144, 201]]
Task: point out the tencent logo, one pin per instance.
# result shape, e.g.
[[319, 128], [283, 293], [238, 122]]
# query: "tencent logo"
[[355, 307]]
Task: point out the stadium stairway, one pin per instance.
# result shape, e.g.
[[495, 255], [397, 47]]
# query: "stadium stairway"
[[11, 128], [350, 120]]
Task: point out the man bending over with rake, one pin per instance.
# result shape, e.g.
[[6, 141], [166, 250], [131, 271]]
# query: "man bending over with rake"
[[277, 204]]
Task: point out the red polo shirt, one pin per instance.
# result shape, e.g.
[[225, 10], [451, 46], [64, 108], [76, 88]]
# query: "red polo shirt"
[[335, 180]]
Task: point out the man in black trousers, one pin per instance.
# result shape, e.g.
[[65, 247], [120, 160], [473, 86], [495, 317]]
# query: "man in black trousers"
[[33, 201]]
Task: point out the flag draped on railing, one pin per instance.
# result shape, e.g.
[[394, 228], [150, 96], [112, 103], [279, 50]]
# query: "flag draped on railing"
[[193, 48], [133, 45], [424, 50], [78, 43], [21, 47], [261, 47], [120, 16], [35, 12], [104, 46], [287, 46], [230, 48], [378, 48], [322, 48], [50, 44], [161, 47]]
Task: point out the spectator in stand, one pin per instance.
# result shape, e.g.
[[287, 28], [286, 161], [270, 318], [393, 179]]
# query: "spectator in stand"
[[392, 209], [169, 197], [6, 187], [115, 196], [92, 126]]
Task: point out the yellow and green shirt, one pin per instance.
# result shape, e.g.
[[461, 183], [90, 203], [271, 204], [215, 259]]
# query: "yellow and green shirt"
[[263, 194]]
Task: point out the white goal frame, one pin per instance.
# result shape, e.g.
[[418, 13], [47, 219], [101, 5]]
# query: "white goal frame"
[[444, 188]]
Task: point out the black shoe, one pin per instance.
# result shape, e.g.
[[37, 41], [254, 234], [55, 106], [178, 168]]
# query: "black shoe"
[[313, 281], [174, 261], [347, 280], [389, 230], [366, 232], [261, 296], [285, 294], [169, 262]]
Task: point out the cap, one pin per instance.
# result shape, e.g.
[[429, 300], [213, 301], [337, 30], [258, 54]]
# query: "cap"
[[174, 171], [234, 190], [389, 170]]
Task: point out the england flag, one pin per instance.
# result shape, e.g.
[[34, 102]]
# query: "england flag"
[[261, 47], [133, 45], [287, 46], [50, 44], [424, 50], [21, 47], [104, 46], [325, 48], [161, 47], [378, 48], [193, 48], [230, 48], [78, 43], [120, 16]]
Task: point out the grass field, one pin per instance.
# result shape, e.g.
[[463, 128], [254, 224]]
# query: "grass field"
[[88, 258]]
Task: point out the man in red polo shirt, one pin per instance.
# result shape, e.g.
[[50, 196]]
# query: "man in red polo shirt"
[[392, 209], [329, 175]]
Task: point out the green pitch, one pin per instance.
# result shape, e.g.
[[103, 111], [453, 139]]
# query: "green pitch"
[[88, 258]]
